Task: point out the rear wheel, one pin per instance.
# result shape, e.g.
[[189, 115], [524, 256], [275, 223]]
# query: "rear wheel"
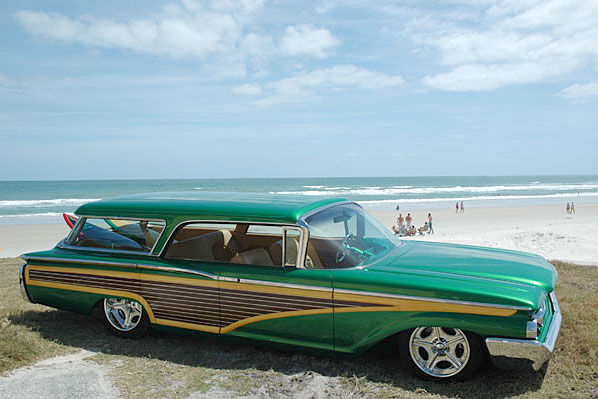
[[440, 352], [125, 318]]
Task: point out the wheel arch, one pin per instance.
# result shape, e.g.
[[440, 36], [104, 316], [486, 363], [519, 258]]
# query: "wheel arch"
[[482, 326]]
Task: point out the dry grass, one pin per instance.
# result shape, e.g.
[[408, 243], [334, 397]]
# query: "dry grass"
[[176, 365]]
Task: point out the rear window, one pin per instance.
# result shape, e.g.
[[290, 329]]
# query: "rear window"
[[116, 234]]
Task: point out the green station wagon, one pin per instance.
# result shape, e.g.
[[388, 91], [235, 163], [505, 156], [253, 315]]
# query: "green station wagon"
[[320, 274]]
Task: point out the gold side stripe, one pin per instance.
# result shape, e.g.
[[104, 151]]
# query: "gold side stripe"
[[101, 291], [408, 305], [188, 326]]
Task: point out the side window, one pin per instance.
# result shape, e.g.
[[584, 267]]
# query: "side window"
[[117, 234], [204, 241], [242, 243]]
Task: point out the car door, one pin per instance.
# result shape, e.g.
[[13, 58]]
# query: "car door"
[[182, 293], [282, 304], [285, 304]]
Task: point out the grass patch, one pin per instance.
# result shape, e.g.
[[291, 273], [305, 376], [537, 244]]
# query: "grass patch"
[[169, 365]]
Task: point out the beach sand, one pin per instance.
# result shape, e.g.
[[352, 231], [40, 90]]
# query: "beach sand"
[[543, 229]]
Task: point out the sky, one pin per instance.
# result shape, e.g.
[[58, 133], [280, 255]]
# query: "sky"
[[257, 88]]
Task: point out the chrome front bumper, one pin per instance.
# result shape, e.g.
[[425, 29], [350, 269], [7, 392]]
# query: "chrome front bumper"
[[24, 293], [528, 350]]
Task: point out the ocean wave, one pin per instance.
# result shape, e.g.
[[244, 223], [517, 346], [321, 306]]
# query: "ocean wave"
[[31, 215], [46, 202], [480, 198], [399, 190]]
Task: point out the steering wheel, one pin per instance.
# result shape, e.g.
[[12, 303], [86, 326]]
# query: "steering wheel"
[[341, 254]]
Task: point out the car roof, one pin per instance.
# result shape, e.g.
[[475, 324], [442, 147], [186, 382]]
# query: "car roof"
[[195, 205]]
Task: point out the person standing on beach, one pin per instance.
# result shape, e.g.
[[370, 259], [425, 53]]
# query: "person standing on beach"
[[568, 208], [430, 228], [462, 209], [457, 207], [400, 220], [408, 219], [572, 207]]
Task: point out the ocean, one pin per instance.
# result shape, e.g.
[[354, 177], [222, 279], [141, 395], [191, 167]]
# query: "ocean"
[[24, 202]]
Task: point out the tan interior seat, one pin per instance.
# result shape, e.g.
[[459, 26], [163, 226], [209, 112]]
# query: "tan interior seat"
[[275, 251], [256, 256], [209, 246]]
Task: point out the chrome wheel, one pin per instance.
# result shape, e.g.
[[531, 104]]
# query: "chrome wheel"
[[439, 352], [122, 314]]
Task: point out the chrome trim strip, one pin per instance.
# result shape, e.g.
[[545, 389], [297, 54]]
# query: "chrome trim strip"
[[81, 261], [178, 270], [531, 329], [133, 265], [533, 350], [79, 225], [428, 299], [22, 287], [272, 284]]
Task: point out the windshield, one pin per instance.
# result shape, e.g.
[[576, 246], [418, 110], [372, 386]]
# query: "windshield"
[[346, 236]]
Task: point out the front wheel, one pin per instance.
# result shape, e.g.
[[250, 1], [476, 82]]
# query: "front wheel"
[[125, 318], [440, 352]]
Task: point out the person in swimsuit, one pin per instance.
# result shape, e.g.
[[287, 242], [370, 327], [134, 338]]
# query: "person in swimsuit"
[[430, 228], [400, 219], [408, 219], [457, 207], [462, 209]]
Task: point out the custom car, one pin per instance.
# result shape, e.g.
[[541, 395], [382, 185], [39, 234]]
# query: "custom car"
[[320, 274]]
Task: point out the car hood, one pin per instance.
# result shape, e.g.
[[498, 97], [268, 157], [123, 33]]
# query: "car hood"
[[502, 266]]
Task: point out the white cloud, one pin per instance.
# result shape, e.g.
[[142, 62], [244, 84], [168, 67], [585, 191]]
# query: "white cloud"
[[304, 86], [307, 40], [191, 28], [580, 90], [509, 42], [472, 77], [248, 89]]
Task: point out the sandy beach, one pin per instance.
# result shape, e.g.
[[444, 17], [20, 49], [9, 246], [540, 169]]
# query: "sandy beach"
[[543, 229]]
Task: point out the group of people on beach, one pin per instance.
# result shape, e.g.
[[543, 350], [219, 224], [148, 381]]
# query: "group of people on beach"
[[405, 226], [570, 208], [457, 207]]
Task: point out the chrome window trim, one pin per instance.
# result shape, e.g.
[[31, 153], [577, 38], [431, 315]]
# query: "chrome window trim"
[[298, 263], [302, 240], [77, 228]]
